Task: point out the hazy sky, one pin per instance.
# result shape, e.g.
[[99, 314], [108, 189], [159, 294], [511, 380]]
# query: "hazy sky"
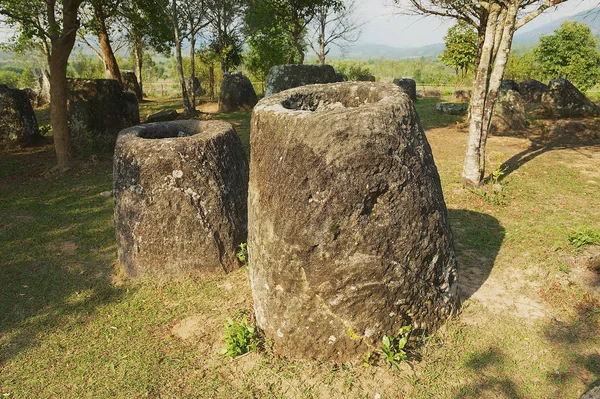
[[384, 23]]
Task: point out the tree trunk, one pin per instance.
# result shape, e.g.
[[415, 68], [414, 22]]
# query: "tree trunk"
[[486, 84], [184, 93], [193, 65], [474, 164], [138, 50], [110, 61], [211, 81]]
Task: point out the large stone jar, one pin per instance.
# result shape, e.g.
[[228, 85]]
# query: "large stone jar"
[[348, 231], [180, 191]]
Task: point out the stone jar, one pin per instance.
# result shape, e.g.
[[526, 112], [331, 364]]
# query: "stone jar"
[[348, 233], [180, 191]]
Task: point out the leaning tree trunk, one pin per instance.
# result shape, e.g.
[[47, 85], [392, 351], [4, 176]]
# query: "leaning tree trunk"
[[58, 106], [491, 63], [193, 65], [138, 50], [62, 44], [110, 61], [176, 36]]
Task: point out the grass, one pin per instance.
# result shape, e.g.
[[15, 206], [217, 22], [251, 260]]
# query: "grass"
[[71, 326]]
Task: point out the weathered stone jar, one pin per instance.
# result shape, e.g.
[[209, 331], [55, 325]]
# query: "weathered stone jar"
[[348, 232], [180, 191]]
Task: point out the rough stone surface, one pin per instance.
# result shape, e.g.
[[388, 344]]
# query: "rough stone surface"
[[531, 90], [283, 77], [365, 78], [452, 108], [508, 84], [32, 95], [348, 232], [237, 93], [409, 86], [133, 107], [563, 100], [180, 192], [130, 84], [462, 96], [194, 86], [340, 77], [163, 116], [593, 393], [98, 110], [18, 124], [509, 113]]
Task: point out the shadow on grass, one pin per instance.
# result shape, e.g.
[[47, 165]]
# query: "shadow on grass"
[[543, 145], [57, 247], [575, 358], [477, 238], [431, 118]]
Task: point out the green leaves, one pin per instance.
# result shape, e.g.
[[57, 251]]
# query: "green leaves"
[[461, 48], [392, 347], [571, 53], [240, 337]]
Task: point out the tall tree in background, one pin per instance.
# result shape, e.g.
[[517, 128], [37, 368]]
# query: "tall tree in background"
[[177, 36], [461, 48], [54, 23], [291, 16], [96, 15], [146, 24], [194, 14], [333, 24], [570, 53], [226, 24], [496, 22]]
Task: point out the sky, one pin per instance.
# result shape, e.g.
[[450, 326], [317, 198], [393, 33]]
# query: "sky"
[[384, 23]]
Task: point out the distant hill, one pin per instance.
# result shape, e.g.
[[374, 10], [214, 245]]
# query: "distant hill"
[[361, 51], [590, 17], [522, 42]]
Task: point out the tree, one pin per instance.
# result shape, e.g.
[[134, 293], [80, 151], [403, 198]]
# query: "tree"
[[522, 67], [267, 49], [100, 11], [291, 16], [496, 22], [226, 22], [461, 48], [54, 24], [333, 24], [146, 24], [174, 16], [570, 53]]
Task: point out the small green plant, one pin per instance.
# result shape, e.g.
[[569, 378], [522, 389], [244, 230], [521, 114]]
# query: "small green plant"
[[240, 337], [584, 236], [564, 268], [45, 130], [392, 347], [493, 191], [242, 254]]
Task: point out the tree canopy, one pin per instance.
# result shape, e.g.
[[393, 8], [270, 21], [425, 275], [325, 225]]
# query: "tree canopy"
[[461, 48], [570, 53]]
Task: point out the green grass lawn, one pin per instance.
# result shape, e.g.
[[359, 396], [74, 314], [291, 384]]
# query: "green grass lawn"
[[71, 326]]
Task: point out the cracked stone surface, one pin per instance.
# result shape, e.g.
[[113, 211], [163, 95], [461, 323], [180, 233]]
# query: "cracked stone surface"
[[283, 77], [409, 86], [563, 100], [348, 233], [98, 110], [180, 191], [18, 124]]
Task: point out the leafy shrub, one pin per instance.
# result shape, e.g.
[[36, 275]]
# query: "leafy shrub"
[[240, 337]]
